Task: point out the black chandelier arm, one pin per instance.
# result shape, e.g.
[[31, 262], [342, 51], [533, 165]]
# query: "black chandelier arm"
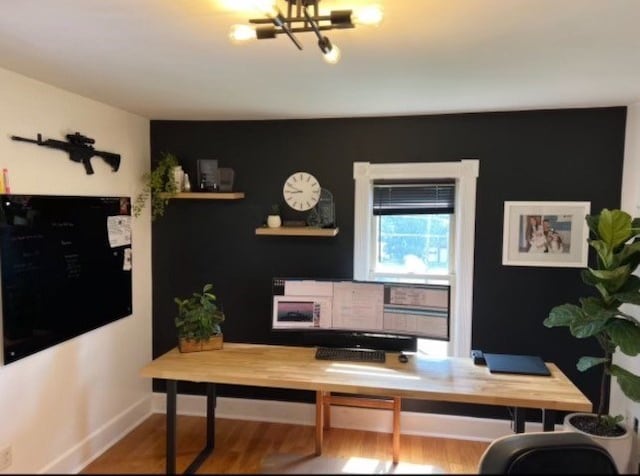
[[280, 21], [304, 29], [338, 19], [312, 22]]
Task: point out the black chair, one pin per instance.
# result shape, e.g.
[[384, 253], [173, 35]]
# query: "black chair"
[[555, 452]]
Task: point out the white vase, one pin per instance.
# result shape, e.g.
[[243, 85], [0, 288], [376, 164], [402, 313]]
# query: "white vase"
[[178, 177], [619, 447], [274, 221]]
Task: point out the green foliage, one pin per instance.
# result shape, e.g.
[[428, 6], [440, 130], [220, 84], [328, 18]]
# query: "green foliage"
[[614, 235], [275, 209], [159, 186], [198, 315]]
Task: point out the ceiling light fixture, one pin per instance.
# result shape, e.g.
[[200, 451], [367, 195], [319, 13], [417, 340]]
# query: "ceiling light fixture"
[[298, 20]]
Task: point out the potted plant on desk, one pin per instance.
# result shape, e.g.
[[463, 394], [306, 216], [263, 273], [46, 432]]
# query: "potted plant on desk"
[[615, 238], [198, 322]]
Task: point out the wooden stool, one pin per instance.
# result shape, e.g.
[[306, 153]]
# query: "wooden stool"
[[324, 400]]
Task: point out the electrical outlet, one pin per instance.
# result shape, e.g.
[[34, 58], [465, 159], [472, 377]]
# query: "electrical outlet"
[[5, 457]]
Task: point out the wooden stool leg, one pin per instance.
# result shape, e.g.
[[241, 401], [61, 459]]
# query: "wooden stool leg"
[[319, 421], [396, 429]]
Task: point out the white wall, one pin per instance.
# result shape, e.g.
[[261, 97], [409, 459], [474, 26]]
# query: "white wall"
[[61, 407]]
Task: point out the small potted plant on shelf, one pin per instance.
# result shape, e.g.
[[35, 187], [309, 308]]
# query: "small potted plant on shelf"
[[159, 186], [273, 219], [615, 237], [198, 322]]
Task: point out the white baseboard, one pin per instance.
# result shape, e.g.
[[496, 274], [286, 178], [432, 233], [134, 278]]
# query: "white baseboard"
[[75, 459], [411, 423]]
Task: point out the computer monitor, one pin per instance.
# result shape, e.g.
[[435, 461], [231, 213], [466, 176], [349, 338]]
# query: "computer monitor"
[[349, 313]]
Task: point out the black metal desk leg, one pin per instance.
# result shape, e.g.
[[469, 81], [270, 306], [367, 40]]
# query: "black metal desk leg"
[[518, 420], [548, 420], [211, 431], [170, 464], [211, 416]]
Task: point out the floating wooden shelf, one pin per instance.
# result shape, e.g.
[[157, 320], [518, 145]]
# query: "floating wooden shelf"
[[297, 231], [206, 195]]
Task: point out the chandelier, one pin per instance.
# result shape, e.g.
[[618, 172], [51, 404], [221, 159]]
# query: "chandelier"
[[303, 16]]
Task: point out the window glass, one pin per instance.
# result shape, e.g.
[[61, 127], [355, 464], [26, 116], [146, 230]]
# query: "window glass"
[[417, 244]]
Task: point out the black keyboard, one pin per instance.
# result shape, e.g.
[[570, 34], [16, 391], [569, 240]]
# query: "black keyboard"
[[353, 355]]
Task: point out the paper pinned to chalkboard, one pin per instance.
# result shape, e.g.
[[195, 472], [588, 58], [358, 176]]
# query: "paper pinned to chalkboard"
[[119, 230], [128, 261]]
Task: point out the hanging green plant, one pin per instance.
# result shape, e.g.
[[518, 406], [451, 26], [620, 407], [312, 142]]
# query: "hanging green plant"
[[159, 187]]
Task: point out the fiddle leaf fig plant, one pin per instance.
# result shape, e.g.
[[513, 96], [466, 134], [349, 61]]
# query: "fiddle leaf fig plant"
[[615, 237], [159, 187]]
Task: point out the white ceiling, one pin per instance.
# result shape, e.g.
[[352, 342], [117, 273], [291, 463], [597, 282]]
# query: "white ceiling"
[[171, 59]]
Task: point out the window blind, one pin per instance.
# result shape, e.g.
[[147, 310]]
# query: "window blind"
[[427, 197]]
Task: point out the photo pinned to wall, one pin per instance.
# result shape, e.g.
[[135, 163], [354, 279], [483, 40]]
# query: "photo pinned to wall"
[[545, 234]]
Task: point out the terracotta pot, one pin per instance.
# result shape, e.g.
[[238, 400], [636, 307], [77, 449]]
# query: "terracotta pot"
[[619, 447], [191, 345]]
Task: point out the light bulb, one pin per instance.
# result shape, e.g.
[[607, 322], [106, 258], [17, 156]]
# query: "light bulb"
[[332, 56], [266, 7], [370, 15], [242, 33]]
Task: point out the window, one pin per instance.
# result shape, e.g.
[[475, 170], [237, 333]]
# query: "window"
[[415, 223]]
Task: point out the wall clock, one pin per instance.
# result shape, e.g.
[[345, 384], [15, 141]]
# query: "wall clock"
[[301, 191]]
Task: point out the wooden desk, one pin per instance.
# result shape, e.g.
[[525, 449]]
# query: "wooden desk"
[[448, 379]]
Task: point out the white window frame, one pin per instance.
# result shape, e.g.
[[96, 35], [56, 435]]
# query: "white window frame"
[[465, 173]]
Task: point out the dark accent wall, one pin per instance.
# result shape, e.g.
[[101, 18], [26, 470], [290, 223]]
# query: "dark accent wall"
[[548, 155]]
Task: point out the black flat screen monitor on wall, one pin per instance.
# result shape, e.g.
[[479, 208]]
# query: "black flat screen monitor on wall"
[[347, 313], [66, 268]]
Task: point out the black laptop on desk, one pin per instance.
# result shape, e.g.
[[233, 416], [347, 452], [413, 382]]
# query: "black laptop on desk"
[[516, 364]]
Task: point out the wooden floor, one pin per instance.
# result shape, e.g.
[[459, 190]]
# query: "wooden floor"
[[241, 445]]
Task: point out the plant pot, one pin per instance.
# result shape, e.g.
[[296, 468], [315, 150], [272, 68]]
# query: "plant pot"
[[274, 221], [192, 345], [619, 447]]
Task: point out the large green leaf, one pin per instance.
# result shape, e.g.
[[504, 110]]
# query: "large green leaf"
[[628, 255], [563, 315], [586, 363], [629, 383], [614, 227], [630, 291], [612, 279], [605, 252], [626, 334], [592, 223], [595, 308], [588, 278], [586, 327]]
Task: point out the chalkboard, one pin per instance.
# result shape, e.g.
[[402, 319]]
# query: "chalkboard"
[[66, 268]]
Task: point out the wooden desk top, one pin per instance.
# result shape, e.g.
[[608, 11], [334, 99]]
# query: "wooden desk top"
[[427, 378]]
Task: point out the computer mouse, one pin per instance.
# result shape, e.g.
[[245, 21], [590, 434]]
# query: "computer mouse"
[[404, 358]]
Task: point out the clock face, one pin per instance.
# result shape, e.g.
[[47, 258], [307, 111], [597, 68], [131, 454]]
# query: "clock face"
[[301, 191]]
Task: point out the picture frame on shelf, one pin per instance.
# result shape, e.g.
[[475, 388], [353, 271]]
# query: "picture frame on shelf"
[[550, 234], [208, 180]]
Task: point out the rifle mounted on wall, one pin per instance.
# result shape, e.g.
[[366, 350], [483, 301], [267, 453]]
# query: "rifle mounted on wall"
[[79, 149]]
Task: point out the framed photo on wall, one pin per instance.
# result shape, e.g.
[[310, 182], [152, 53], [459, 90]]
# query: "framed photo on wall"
[[545, 234]]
